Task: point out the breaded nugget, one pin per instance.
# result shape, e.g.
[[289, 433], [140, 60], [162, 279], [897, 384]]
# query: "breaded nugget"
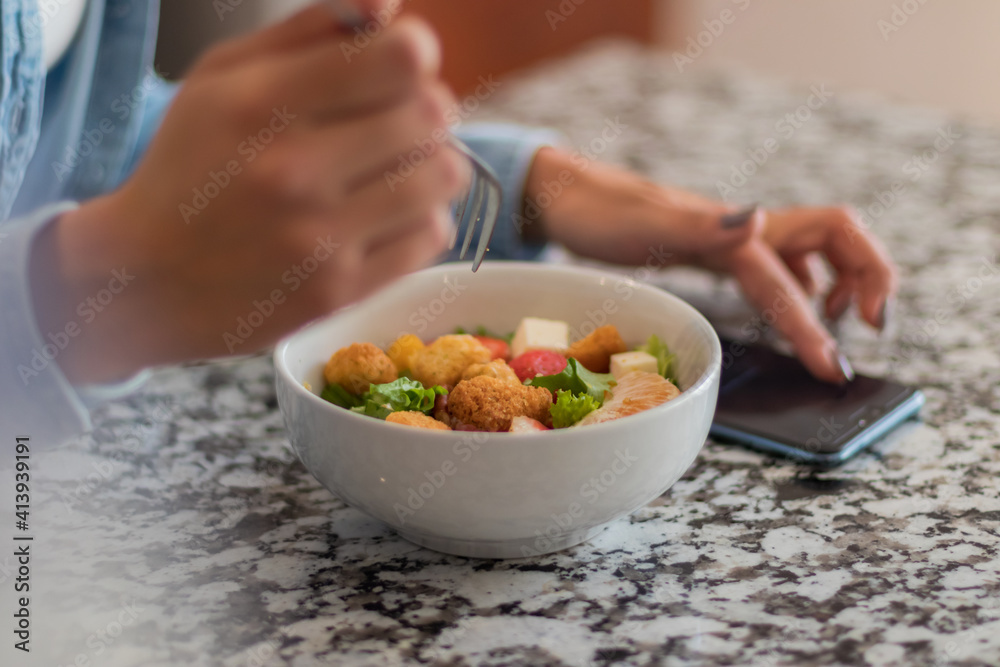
[[418, 419], [356, 366], [402, 349], [489, 404], [497, 368], [537, 401], [443, 361], [594, 351]]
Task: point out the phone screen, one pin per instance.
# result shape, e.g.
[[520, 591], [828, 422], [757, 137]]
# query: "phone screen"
[[771, 401]]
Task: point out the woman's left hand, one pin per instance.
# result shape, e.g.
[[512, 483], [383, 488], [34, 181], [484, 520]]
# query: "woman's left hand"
[[610, 214]]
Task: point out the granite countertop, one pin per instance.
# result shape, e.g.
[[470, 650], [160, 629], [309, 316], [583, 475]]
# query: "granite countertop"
[[183, 531]]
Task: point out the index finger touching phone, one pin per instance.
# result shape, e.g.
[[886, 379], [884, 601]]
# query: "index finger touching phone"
[[776, 292]]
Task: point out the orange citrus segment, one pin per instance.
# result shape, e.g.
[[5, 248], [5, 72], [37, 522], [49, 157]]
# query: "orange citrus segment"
[[635, 392]]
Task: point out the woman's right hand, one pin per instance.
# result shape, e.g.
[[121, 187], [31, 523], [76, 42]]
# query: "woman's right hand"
[[285, 180]]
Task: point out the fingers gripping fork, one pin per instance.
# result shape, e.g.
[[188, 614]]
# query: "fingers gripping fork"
[[485, 191]]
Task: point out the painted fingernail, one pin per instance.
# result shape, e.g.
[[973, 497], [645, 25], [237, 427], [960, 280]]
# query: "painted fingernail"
[[738, 219], [843, 364], [885, 315]]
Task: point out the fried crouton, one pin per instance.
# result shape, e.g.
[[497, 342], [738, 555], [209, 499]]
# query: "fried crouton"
[[356, 366], [415, 418], [443, 361], [497, 368], [402, 349], [594, 351], [489, 404]]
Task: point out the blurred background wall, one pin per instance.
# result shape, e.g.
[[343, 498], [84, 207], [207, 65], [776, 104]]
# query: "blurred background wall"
[[936, 53], [478, 36]]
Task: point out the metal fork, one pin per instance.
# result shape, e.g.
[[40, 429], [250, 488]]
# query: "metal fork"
[[486, 186], [485, 191]]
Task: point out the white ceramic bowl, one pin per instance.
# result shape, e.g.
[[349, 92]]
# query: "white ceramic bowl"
[[501, 495]]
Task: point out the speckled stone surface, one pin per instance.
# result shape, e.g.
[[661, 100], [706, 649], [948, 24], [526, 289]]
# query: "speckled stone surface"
[[185, 532]]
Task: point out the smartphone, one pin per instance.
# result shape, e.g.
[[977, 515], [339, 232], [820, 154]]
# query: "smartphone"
[[770, 402]]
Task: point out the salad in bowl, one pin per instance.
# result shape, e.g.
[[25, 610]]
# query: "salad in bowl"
[[405, 414], [531, 380]]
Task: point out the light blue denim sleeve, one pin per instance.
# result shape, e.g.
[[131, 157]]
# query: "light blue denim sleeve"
[[80, 145], [35, 397], [509, 149], [156, 104]]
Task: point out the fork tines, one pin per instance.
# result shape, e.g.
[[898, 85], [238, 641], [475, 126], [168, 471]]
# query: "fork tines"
[[485, 193]]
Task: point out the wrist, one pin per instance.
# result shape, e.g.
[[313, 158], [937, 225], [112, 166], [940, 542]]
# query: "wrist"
[[591, 208], [551, 173], [79, 283]]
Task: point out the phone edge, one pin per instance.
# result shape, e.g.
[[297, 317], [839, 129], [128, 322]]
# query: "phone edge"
[[907, 409]]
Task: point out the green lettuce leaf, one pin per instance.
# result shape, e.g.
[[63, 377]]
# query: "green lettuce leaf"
[[337, 395], [381, 400], [577, 380], [569, 409], [664, 359]]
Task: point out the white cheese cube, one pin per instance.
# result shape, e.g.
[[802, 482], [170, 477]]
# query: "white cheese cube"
[[534, 333], [626, 362]]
